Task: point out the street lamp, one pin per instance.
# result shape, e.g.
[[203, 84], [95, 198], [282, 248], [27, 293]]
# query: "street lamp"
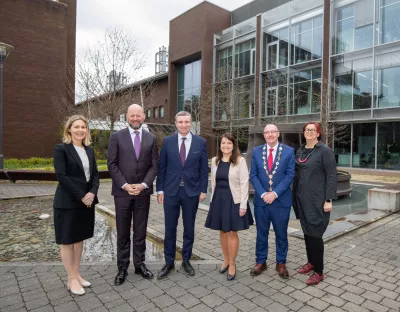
[[5, 49]]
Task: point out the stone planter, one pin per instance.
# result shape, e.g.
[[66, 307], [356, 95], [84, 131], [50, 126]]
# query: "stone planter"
[[344, 187]]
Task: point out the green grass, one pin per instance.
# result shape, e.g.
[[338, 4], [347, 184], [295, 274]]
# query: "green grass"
[[37, 163]]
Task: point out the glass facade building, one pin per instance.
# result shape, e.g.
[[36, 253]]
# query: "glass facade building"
[[303, 61]]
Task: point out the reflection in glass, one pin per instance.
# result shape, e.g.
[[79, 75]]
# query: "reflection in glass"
[[244, 63], [344, 35], [389, 87], [364, 145], [343, 92], [390, 22], [388, 146], [362, 91], [363, 37], [342, 143], [189, 84]]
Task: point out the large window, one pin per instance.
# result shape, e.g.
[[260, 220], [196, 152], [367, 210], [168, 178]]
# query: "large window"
[[353, 84], [388, 87], [364, 145], [354, 27], [342, 139], [305, 92], [388, 145], [245, 58], [224, 67], [307, 40], [189, 85], [390, 20], [161, 111], [275, 94], [244, 100], [277, 48]]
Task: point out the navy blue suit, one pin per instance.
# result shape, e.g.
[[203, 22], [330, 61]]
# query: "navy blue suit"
[[279, 211], [171, 174]]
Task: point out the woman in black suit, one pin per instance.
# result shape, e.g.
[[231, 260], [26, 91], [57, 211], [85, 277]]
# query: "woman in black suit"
[[75, 198]]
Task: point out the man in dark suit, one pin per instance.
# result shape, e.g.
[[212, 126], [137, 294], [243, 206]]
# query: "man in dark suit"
[[132, 161], [182, 182], [271, 173]]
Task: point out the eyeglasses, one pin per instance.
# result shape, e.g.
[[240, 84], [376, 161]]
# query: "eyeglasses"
[[271, 132], [310, 130]]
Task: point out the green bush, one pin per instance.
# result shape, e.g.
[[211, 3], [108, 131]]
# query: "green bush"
[[39, 163]]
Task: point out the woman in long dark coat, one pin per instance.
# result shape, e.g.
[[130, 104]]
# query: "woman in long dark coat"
[[75, 197], [314, 188]]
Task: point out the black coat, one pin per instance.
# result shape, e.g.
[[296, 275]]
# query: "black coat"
[[315, 181], [72, 185]]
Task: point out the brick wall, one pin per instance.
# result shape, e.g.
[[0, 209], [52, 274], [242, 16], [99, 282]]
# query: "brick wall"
[[43, 35]]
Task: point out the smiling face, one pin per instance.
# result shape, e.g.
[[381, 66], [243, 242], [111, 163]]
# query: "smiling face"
[[135, 116], [78, 131], [226, 146], [310, 133], [271, 134], [183, 124]]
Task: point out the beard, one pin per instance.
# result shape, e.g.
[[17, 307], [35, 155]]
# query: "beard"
[[136, 125]]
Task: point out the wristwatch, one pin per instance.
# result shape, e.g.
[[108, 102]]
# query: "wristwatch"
[[328, 200]]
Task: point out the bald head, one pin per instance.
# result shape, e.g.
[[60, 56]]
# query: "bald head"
[[135, 116]]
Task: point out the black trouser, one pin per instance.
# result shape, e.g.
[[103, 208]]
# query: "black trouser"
[[315, 252], [126, 208]]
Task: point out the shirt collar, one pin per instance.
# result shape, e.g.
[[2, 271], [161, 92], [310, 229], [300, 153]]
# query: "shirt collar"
[[188, 137], [132, 131], [274, 147]]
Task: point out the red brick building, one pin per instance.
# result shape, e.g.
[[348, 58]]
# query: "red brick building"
[[43, 34]]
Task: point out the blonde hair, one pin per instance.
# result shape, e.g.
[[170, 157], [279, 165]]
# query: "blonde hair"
[[67, 138]]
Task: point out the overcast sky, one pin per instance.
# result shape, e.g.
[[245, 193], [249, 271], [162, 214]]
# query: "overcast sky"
[[148, 20]]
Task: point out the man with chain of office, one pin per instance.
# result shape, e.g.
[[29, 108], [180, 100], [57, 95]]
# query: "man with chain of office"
[[271, 173]]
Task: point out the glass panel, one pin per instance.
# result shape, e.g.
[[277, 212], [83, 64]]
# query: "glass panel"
[[317, 44], [180, 103], [364, 145], [303, 47], [188, 75], [161, 111], [318, 21], [362, 90], [389, 87], [345, 12], [316, 97], [283, 53], [344, 92], [389, 145], [302, 98], [344, 36], [363, 37], [282, 100], [271, 102], [272, 55], [343, 145], [390, 23]]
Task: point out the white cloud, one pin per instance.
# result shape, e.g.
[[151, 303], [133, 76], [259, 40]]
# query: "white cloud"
[[148, 20]]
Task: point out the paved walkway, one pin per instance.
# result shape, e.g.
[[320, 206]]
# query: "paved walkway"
[[362, 268]]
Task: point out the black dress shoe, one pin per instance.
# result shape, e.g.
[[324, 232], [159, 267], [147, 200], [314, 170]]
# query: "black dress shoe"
[[223, 270], [187, 267], [142, 270], [165, 270], [230, 277], [121, 276]]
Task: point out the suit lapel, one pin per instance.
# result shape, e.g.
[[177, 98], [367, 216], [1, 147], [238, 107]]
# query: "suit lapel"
[[74, 154], [176, 147], [128, 141], [90, 158]]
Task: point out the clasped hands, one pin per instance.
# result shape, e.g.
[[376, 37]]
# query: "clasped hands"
[[88, 199], [134, 189], [269, 197]]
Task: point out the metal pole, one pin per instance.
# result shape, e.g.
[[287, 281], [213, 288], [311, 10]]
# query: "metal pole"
[[1, 116]]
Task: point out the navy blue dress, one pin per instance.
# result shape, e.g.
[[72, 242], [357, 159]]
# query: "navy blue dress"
[[223, 214]]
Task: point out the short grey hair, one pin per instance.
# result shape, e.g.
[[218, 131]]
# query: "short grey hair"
[[183, 113]]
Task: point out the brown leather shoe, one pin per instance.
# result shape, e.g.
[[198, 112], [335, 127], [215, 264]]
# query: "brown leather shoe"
[[258, 269], [282, 271]]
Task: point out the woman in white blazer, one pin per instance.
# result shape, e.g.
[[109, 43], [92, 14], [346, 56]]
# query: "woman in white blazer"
[[230, 192]]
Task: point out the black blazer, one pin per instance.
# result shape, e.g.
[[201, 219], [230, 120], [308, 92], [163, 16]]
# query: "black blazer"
[[71, 177], [123, 165]]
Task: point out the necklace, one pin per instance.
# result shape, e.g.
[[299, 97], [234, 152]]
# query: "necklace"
[[278, 158], [308, 156]]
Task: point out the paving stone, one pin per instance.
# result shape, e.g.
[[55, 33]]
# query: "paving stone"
[[152, 292], [47, 308], [200, 308], [251, 294], [224, 292], [300, 296], [369, 286], [308, 309], [212, 300], [295, 305], [146, 307], [318, 304], [109, 296], [245, 305], [36, 303], [262, 301], [122, 308], [69, 306], [351, 307], [199, 291], [175, 308], [334, 309], [334, 290], [225, 307], [389, 294], [130, 293], [336, 301], [90, 304], [10, 300], [373, 306], [385, 285], [391, 304], [138, 301], [163, 301], [188, 300], [276, 307]]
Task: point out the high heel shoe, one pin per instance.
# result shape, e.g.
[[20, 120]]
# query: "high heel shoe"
[[230, 277], [85, 283], [78, 292], [223, 270]]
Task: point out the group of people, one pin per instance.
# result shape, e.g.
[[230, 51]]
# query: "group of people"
[[182, 174]]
